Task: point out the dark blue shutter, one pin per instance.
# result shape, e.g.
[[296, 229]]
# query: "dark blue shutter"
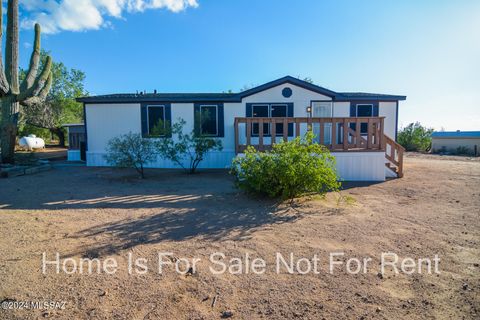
[[196, 119], [290, 114], [144, 124], [353, 110], [168, 119], [375, 110], [221, 127], [248, 110]]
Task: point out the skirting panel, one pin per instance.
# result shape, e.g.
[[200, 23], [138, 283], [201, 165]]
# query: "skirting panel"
[[351, 166], [213, 160], [360, 166]]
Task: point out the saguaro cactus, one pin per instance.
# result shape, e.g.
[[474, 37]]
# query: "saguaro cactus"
[[33, 89]]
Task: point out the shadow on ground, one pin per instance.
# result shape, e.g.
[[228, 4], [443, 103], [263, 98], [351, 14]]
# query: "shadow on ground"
[[211, 224], [167, 206], [89, 188], [359, 184]]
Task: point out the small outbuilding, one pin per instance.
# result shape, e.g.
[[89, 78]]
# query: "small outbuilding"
[[456, 142], [76, 142]]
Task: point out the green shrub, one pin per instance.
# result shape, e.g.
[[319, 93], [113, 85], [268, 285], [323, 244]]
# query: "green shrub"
[[415, 137], [289, 170], [130, 150]]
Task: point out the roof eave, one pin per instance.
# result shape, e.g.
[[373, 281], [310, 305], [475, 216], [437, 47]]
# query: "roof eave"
[[343, 98], [91, 100], [290, 80]]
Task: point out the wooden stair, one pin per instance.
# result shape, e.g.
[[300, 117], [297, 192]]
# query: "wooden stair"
[[394, 156]]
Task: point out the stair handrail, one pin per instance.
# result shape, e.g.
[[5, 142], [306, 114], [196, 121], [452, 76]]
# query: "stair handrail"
[[396, 154]]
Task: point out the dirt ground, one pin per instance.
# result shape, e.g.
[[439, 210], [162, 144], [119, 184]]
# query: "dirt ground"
[[100, 213], [49, 152]]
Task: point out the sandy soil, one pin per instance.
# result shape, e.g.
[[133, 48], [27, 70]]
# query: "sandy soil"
[[103, 213]]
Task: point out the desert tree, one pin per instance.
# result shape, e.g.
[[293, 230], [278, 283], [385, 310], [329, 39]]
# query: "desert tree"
[[33, 89], [415, 137], [187, 150], [60, 106]]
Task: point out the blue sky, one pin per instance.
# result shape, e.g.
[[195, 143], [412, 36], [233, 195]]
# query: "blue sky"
[[427, 50]]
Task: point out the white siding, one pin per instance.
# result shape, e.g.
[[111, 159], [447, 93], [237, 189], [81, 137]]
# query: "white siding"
[[184, 111], [231, 111], [389, 111], [341, 109], [105, 121]]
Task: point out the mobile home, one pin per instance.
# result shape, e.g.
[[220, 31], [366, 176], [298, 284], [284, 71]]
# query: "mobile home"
[[359, 128]]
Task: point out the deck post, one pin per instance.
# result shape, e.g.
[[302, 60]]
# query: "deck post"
[[358, 133], [334, 133], [400, 163], [260, 134], [393, 152], [297, 128], [369, 134], [322, 133], [273, 131], [345, 134], [285, 129], [236, 135], [309, 124], [382, 134], [249, 131]]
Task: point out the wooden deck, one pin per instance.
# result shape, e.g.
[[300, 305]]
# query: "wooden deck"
[[330, 132], [349, 134]]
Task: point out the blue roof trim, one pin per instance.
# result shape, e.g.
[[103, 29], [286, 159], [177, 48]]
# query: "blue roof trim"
[[235, 97], [456, 134]]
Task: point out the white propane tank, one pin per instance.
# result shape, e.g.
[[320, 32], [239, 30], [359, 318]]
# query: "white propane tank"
[[31, 142]]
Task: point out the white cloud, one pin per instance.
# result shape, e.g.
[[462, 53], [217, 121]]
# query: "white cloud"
[[78, 15]]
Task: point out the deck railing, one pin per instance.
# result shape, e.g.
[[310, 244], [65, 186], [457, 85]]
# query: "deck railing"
[[338, 134]]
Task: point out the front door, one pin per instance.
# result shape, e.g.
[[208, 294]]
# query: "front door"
[[322, 109]]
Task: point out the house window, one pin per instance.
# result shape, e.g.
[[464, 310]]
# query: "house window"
[[156, 120], [260, 111], [209, 120], [268, 111], [364, 110]]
